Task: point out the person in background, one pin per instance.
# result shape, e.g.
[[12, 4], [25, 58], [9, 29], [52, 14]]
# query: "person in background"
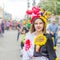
[[53, 29], [7, 25], [19, 28], [2, 26], [10, 24], [22, 38]]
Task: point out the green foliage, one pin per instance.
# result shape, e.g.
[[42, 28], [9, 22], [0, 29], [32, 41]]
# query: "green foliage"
[[51, 5], [58, 7]]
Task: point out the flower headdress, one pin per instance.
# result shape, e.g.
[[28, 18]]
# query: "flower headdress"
[[36, 12]]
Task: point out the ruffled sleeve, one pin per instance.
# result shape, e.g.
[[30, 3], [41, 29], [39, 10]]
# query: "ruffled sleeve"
[[28, 47]]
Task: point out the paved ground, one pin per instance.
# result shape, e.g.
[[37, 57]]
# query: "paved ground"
[[9, 47]]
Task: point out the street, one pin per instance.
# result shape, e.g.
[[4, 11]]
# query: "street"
[[9, 47]]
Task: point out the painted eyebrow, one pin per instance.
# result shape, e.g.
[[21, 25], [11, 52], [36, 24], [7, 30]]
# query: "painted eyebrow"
[[39, 22]]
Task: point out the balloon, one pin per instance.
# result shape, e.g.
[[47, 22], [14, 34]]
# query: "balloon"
[[29, 12], [35, 10], [33, 18], [38, 14]]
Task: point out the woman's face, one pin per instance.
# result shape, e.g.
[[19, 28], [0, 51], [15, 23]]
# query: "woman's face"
[[38, 25]]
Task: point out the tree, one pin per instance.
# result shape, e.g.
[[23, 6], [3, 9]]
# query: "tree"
[[51, 5], [58, 7]]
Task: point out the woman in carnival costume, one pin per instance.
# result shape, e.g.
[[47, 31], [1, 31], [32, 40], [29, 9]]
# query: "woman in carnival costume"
[[38, 44]]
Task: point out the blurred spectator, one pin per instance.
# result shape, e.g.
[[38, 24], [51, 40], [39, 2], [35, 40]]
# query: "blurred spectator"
[[2, 26], [14, 25], [7, 25], [10, 24], [22, 38], [19, 30], [53, 29]]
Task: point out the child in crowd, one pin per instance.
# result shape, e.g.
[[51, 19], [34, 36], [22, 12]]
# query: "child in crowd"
[[22, 38]]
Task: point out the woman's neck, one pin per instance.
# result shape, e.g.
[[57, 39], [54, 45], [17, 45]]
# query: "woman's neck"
[[37, 33]]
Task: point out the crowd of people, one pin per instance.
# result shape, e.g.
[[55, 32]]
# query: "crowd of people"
[[7, 25]]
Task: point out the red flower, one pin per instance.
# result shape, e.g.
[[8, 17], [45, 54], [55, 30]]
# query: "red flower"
[[33, 18], [27, 44], [29, 12], [35, 13], [35, 9]]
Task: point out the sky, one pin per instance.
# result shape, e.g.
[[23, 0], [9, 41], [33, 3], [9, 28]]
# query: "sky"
[[16, 7]]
